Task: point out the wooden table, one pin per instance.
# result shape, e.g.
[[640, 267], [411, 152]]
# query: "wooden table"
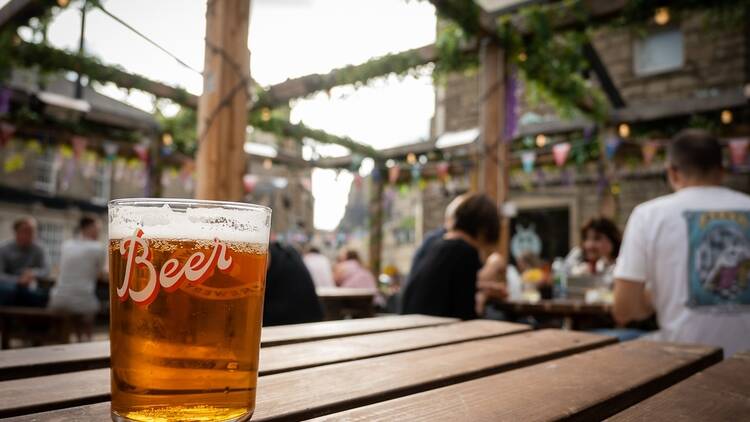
[[571, 311], [438, 369], [344, 302]]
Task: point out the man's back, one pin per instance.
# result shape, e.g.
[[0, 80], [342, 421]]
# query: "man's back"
[[693, 250]]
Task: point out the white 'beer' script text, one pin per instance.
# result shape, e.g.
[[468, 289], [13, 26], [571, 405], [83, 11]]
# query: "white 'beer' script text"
[[195, 270]]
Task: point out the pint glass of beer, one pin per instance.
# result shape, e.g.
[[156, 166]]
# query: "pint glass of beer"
[[186, 294]]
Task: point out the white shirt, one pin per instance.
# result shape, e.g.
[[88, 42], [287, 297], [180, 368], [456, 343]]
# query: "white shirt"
[[80, 265], [692, 249], [320, 269]]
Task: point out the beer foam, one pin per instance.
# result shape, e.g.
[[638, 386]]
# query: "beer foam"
[[203, 223]]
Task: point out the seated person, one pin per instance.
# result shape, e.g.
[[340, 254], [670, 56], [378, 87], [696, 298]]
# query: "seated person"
[[81, 265], [290, 293], [686, 255], [600, 245], [349, 272], [444, 283], [22, 262]]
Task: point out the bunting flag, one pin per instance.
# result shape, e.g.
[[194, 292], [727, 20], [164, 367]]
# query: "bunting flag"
[[416, 171], [249, 182], [14, 162], [560, 153], [527, 161], [110, 150], [738, 151], [6, 132], [5, 95], [648, 151], [393, 174], [79, 146], [279, 182], [443, 170], [66, 152], [33, 146], [89, 164], [611, 145], [141, 150]]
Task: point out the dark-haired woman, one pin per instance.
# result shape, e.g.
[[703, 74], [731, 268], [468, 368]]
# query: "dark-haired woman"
[[600, 245], [444, 282]]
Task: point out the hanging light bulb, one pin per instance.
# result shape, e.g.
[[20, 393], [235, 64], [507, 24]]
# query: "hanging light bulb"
[[423, 159], [63, 3], [541, 140], [166, 139], [390, 163], [267, 164], [623, 130], [661, 16], [265, 114], [522, 56], [411, 158], [726, 117]]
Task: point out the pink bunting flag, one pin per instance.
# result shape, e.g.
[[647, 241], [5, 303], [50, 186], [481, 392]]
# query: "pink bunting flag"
[[648, 151], [79, 146], [249, 181], [141, 150], [443, 168], [560, 153], [393, 173], [738, 150]]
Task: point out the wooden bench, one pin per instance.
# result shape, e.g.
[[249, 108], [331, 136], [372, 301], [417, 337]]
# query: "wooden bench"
[[475, 370], [36, 325]]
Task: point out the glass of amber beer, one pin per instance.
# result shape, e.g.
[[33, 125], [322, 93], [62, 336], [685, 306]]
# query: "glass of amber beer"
[[186, 294]]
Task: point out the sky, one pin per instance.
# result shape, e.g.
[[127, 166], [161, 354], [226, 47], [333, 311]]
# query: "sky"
[[288, 38]]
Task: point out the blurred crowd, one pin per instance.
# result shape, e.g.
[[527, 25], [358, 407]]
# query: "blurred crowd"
[[683, 263]]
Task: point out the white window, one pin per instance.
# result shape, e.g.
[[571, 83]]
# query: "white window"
[[45, 173], [658, 52], [51, 236], [102, 182]]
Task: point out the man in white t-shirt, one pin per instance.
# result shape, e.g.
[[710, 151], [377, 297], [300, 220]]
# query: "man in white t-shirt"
[[320, 268], [81, 265], [687, 255]]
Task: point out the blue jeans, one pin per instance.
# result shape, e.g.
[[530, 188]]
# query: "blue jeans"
[[622, 334], [15, 295]]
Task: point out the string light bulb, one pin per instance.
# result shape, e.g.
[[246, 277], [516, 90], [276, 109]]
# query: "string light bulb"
[[265, 114], [522, 56], [541, 140], [623, 130], [726, 117], [390, 163], [267, 164], [63, 3], [411, 158], [167, 139], [422, 159], [661, 16]]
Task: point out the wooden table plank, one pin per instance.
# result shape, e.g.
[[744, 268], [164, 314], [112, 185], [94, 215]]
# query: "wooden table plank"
[[48, 360], [296, 333], [586, 386], [326, 389], [93, 386], [556, 307], [719, 393], [305, 355]]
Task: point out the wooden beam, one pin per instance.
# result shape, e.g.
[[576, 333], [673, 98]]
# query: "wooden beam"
[[223, 106], [281, 93], [609, 87], [377, 187]]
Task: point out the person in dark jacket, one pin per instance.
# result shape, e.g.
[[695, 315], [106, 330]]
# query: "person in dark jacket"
[[444, 281], [290, 292]]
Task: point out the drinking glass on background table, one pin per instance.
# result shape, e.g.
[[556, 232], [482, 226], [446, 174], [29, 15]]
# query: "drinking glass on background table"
[[186, 291]]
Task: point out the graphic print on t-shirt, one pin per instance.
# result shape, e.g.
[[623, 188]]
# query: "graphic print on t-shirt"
[[719, 258]]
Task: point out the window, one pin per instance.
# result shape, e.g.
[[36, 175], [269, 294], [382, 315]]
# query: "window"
[[51, 237], [658, 52], [102, 182], [45, 172]]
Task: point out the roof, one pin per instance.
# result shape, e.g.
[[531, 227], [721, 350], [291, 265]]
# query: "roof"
[[104, 110]]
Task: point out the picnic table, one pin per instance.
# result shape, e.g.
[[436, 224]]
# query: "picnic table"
[[414, 368], [346, 302], [573, 312]]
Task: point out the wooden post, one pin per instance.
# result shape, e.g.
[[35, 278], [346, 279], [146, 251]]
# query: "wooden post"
[[376, 217], [223, 106], [495, 152]]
